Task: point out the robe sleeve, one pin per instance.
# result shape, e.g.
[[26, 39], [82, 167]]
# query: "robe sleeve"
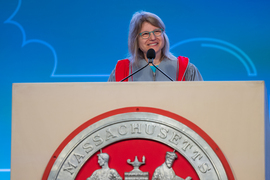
[[112, 76], [192, 73]]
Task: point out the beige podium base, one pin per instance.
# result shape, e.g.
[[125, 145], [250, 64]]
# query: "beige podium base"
[[233, 114]]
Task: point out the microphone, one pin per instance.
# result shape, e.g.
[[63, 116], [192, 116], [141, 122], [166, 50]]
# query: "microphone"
[[151, 55]]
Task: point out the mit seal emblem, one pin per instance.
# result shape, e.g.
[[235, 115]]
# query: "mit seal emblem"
[[170, 148]]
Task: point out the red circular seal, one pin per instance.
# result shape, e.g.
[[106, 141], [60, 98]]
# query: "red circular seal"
[[151, 150]]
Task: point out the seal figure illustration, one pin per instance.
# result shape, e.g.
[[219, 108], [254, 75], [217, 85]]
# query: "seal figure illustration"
[[165, 171], [105, 173]]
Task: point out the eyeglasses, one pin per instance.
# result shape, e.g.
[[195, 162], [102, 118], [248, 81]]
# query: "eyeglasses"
[[156, 32]]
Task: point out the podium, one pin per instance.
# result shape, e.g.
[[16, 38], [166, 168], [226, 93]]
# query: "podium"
[[234, 114]]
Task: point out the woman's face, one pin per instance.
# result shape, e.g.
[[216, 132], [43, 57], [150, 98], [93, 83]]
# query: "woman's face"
[[154, 42]]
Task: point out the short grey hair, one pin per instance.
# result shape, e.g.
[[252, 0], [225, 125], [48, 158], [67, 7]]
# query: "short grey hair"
[[135, 26]]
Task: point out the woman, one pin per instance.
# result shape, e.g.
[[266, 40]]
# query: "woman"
[[146, 31]]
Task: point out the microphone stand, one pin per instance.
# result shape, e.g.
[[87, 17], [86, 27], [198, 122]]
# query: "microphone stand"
[[135, 72], [151, 61]]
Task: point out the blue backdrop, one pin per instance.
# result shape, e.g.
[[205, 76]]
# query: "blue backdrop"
[[81, 41]]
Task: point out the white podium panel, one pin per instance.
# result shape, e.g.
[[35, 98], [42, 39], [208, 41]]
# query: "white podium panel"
[[233, 114]]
